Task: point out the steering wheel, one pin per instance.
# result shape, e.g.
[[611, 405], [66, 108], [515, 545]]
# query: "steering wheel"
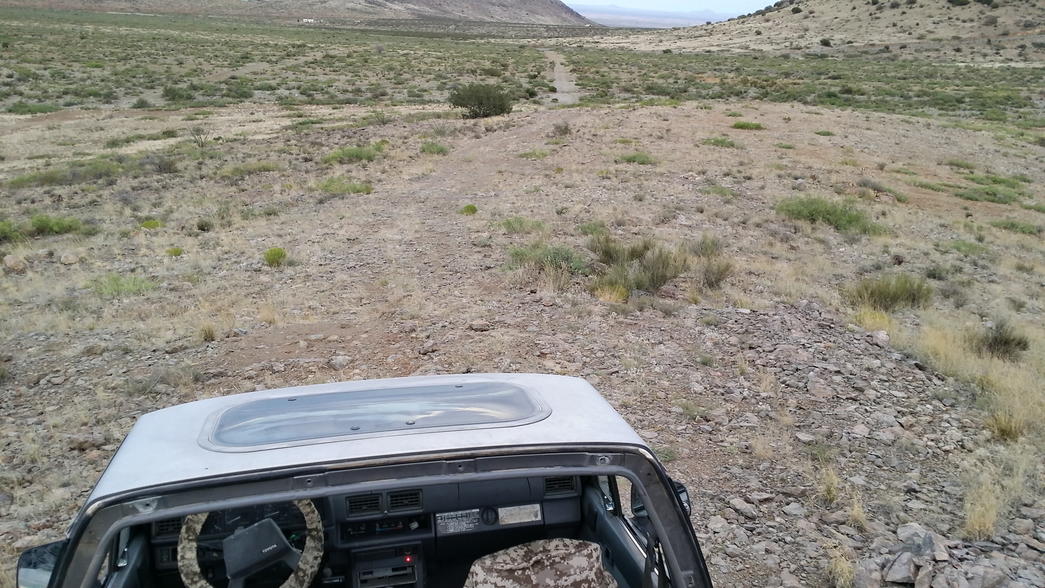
[[246, 562]]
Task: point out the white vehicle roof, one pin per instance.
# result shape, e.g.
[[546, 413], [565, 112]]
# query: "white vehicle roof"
[[355, 421]]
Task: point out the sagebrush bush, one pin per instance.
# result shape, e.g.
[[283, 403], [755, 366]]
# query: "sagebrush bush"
[[843, 217], [481, 100], [468, 209], [890, 292]]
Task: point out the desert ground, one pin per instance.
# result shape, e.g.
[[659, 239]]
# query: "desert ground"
[[831, 332]]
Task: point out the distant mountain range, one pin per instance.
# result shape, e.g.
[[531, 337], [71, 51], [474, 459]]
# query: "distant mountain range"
[[549, 12], [618, 16]]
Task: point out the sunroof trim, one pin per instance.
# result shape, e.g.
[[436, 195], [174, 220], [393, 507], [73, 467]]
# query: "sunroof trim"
[[372, 413]]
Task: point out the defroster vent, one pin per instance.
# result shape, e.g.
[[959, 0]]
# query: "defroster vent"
[[559, 485], [404, 500], [363, 504]]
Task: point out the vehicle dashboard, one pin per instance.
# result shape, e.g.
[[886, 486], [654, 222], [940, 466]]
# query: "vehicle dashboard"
[[409, 536]]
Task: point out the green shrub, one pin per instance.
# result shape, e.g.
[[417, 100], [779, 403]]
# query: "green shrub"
[[966, 248], [593, 228], [9, 232], [141, 103], [713, 273], [1001, 340], [721, 142], [708, 246], [520, 225], [638, 157], [890, 292], [543, 256], [204, 225], [642, 266], [42, 224], [433, 148], [658, 267], [748, 126], [176, 94], [75, 172], [610, 251], [996, 194], [481, 100], [341, 186], [929, 186], [117, 286], [993, 180], [26, 108], [843, 217], [355, 154], [784, 146], [275, 257], [1017, 227], [151, 224], [825, 133], [960, 164], [535, 154], [175, 251], [468, 209]]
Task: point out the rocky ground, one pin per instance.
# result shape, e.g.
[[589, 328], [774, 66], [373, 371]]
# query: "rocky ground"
[[812, 445]]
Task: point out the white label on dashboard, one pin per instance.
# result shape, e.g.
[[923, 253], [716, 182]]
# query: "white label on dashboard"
[[514, 515]]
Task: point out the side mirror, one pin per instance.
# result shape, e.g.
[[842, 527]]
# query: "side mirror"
[[36, 564], [683, 493]]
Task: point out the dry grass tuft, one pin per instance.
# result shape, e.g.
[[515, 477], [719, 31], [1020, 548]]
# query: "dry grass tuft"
[[872, 319], [841, 569], [208, 332], [828, 485], [998, 478], [268, 313], [1010, 392], [856, 515]]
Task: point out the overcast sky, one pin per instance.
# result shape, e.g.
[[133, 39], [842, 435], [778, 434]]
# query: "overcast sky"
[[722, 6]]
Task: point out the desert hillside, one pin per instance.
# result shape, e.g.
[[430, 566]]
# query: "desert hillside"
[[549, 12], [1003, 30]]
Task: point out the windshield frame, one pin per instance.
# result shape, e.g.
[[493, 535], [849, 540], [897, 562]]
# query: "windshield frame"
[[102, 521]]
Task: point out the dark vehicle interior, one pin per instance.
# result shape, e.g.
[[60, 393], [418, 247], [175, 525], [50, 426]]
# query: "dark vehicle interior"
[[420, 536]]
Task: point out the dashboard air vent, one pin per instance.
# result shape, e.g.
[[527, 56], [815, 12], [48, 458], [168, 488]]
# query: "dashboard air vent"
[[404, 500], [167, 527], [559, 485], [363, 504]]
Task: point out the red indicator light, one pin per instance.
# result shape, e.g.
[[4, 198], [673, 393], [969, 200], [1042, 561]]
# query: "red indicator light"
[[408, 558]]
